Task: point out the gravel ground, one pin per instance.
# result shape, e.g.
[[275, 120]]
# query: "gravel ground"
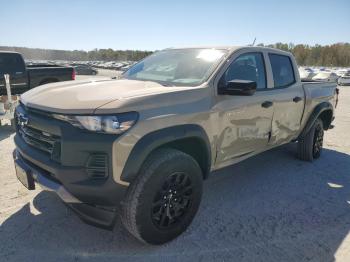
[[271, 207]]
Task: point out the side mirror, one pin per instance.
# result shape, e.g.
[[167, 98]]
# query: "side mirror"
[[238, 87]]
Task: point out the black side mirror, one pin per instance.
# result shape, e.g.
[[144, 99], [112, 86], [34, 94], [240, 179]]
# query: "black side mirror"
[[238, 87]]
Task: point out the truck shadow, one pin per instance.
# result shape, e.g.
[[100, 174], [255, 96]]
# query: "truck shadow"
[[268, 208]]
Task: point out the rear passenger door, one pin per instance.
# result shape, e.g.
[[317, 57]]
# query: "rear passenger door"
[[288, 96]]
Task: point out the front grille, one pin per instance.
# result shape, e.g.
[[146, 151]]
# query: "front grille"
[[41, 140]]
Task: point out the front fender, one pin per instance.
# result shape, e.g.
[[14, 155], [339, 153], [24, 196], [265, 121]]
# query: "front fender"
[[158, 138]]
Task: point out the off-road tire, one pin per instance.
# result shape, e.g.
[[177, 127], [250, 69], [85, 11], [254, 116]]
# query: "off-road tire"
[[137, 207], [307, 146]]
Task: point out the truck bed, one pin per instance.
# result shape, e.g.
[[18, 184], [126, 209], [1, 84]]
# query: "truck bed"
[[317, 92]]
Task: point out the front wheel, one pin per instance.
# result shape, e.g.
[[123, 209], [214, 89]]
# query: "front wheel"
[[310, 147], [163, 200]]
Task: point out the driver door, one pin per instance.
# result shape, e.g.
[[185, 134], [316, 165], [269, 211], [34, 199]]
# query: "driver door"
[[244, 121]]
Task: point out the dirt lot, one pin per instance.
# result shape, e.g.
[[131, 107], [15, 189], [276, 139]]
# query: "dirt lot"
[[272, 207]]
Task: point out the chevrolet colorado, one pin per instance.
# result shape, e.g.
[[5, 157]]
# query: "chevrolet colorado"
[[21, 78], [141, 146]]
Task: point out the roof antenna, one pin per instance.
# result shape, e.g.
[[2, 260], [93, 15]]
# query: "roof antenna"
[[253, 42]]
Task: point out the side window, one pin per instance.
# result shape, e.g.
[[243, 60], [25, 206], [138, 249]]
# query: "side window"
[[282, 70], [248, 66], [10, 63]]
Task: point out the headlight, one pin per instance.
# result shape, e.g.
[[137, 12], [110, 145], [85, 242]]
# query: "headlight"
[[109, 124]]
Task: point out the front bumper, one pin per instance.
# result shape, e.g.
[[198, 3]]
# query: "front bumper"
[[67, 170], [45, 183], [103, 217]]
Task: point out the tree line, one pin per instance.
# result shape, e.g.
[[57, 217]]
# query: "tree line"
[[337, 55], [317, 55], [78, 55]]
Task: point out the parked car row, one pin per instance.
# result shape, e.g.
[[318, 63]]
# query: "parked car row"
[[121, 66], [86, 67], [84, 70], [339, 75]]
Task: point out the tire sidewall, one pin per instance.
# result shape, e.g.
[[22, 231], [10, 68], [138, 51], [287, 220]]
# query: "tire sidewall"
[[147, 229], [318, 125]]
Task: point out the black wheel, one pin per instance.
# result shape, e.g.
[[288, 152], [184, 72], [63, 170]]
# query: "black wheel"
[[310, 147], [162, 202]]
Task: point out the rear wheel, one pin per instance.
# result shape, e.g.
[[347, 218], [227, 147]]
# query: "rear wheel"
[[162, 202], [310, 147]]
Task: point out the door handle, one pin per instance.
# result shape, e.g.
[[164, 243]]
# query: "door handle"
[[297, 99], [267, 104]]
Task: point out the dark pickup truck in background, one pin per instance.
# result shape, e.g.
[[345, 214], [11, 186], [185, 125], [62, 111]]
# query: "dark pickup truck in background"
[[24, 77], [16, 78]]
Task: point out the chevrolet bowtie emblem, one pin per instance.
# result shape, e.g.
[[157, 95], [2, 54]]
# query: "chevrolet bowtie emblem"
[[22, 120]]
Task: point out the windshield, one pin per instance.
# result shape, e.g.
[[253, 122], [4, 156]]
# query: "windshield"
[[185, 67]]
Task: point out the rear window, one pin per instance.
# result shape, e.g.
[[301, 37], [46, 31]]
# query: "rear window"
[[282, 70], [10, 63]]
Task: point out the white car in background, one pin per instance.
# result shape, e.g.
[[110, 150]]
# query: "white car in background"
[[345, 79], [326, 76], [306, 74], [341, 72]]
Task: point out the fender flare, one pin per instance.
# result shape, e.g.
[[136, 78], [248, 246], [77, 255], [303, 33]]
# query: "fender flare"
[[148, 143], [318, 110]]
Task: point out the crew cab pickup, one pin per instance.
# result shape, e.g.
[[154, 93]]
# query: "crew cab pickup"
[[22, 78], [141, 146]]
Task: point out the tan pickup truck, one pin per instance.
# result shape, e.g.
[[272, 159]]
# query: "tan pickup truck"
[[141, 146]]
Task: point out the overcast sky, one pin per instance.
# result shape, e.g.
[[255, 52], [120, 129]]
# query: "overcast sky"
[[151, 25]]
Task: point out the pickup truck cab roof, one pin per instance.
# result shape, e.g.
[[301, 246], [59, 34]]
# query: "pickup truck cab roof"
[[232, 49]]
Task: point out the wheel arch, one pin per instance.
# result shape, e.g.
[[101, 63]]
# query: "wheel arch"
[[324, 111], [190, 139]]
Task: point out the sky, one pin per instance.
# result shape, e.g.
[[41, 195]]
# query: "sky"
[[154, 25]]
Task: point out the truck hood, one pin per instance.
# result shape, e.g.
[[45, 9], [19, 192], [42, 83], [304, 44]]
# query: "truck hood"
[[85, 96]]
